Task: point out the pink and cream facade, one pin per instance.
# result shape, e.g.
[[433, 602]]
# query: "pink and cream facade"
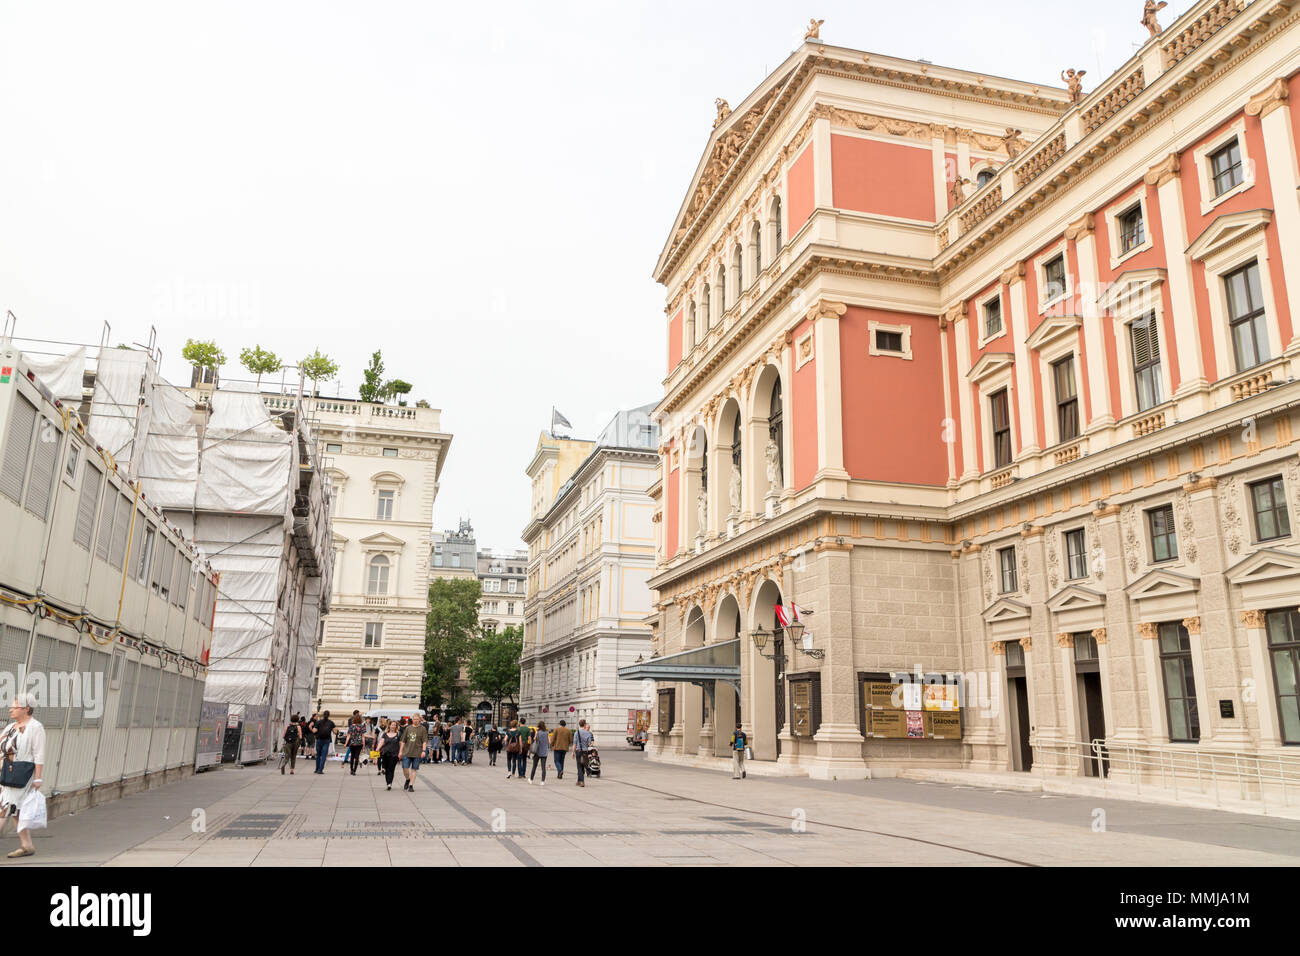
[[995, 385]]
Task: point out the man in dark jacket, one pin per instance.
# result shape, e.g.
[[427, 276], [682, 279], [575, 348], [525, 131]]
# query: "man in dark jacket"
[[323, 729]]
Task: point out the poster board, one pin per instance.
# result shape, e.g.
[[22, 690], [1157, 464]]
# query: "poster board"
[[257, 733], [911, 710], [212, 730], [801, 708]]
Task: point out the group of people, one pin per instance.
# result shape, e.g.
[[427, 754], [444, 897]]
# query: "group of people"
[[414, 740], [522, 741]]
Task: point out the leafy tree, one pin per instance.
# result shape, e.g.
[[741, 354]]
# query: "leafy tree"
[[449, 633], [372, 390], [423, 403], [494, 668], [318, 368], [203, 354], [460, 706], [260, 362], [397, 387]]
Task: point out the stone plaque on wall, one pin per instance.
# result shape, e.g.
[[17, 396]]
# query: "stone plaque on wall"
[[801, 708]]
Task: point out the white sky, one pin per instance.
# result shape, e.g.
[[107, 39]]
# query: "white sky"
[[482, 196]]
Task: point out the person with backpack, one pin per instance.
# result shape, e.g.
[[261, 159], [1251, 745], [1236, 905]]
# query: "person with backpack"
[[292, 734], [541, 749], [323, 730], [738, 744], [354, 741], [494, 740], [582, 742], [390, 749], [514, 748], [308, 738]]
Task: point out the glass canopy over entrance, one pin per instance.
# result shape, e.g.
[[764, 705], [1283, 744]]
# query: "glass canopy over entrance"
[[712, 662]]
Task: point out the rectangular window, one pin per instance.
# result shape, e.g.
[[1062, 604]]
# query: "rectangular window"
[[1164, 540], [514, 586], [1067, 400], [1054, 279], [1132, 230], [369, 682], [1001, 429], [889, 341], [1144, 338], [1076, 554], [1246, 318], [374, 634], [144, 557], [74, 460], [384, 510], [1180, 684], [333, 448], [390, 452], [1007, 565], [1268, 499], [1225, 167], [1283, 628], [992, 317]]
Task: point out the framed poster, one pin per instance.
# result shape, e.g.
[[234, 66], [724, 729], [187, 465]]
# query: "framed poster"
[[912, 696], [880, 696], [915, 726], [943, 725], [886, 723], [801, 708], [940, 697]]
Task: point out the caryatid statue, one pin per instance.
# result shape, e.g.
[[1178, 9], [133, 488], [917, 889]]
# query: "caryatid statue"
[[1074, 83], [773, 456], [814, 29], [733, 489], [1149, 11]]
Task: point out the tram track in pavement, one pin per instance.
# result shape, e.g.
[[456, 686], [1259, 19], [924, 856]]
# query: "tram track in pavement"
[[835, 826]]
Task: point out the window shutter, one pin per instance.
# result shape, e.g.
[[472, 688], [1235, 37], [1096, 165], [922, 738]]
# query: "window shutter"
[[43, 462], [121, 528], [91, 480], [17, 445]]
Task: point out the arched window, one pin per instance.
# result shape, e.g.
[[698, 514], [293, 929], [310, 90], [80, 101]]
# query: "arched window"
[[722, 290], [378, 581], [735, 441], [690, 327], [738, 269], [774, 219], [775, 427], [983, 177], [705, 310], [756, 240]]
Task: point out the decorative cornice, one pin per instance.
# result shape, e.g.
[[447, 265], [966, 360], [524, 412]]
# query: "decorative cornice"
[[1271, 98], [1165, 171]]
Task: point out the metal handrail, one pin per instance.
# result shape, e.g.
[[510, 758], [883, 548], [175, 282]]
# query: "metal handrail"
[[1255, 775]]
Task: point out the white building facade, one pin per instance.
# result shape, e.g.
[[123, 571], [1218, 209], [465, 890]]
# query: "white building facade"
[[383, 463]]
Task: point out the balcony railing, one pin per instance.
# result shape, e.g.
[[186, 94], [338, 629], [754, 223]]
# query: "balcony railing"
[[1148, 424], [1200, 30]]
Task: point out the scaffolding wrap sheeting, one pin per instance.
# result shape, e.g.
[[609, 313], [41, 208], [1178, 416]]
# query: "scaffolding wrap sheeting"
[[62, 374]]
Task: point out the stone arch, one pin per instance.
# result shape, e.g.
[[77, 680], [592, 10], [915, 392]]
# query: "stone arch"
[[728, 431], [768, 383], [695, 459]]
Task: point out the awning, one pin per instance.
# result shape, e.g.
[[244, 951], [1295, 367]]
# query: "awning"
[[713, 662]]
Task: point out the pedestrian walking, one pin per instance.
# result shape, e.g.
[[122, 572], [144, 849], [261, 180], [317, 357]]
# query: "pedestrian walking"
[[457, 743], [368, 741], [380, 730], [22, 746], [561, 740], [738, 744], [582, 742], [355, 740], [292, 734], [494, 740], [390, 749], [308, 738], [514, 749], [414, 737], [323, 730], [435, 740], [540, 749]]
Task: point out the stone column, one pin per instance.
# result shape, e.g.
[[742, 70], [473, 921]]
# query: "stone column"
[[1182, 299], [1045, 716], [724, 716], [949, 432], [839, 739], [939, 168], [1159, 733], [830, 425], [1265, 703], [1027, 422], [1069, 696], [1272, 108], [970, 463], [983, 715], [1094, 340], [1104, 671], [1122, 662]]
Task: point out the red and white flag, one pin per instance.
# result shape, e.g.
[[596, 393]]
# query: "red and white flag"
[[785, 615]]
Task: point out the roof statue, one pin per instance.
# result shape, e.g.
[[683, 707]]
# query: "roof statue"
[[1074, 82], [814, 29], [1149, 11], [723, 112], [1011, 139], [956, 191]]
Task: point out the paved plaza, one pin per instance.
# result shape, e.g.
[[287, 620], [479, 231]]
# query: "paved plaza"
[[640, 814]]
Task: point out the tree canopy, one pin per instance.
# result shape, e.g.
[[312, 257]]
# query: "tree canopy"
[[494, 669], [203, 354], [372, 389], [318, 368], [260, 362], [451, 628]]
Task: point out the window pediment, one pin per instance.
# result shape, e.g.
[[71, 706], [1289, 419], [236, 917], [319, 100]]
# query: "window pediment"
[[1005, 609], [990, 364], [1161, 583], [1052, 329], [387, 478], [1074, 598], [383, 541], [1135, 292], [1227, 230], [1266, 564]]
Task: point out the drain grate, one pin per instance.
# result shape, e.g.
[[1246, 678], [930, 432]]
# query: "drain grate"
[[252, 826]]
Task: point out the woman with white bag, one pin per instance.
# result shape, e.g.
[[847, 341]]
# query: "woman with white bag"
[[22, 758]]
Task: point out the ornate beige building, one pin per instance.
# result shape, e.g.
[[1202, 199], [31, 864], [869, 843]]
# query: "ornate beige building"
[[998, 384], [383, 462]]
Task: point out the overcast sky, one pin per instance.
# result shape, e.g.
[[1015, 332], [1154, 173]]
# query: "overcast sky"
[[481, 195]]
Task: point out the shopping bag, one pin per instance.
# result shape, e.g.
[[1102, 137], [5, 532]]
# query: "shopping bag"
[[749, 753], [374, 755], [31, 812]]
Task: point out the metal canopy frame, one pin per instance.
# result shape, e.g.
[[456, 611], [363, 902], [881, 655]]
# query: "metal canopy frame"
[[702, 666]]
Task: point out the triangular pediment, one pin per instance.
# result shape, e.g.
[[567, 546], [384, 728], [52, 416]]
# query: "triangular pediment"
[[1266, 564], [1228, 229], [1051, 329], [1134, 291], [339, 539], [990, 364], [1162, 583], [1005, 609], [383, 538], [1073, 598]]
